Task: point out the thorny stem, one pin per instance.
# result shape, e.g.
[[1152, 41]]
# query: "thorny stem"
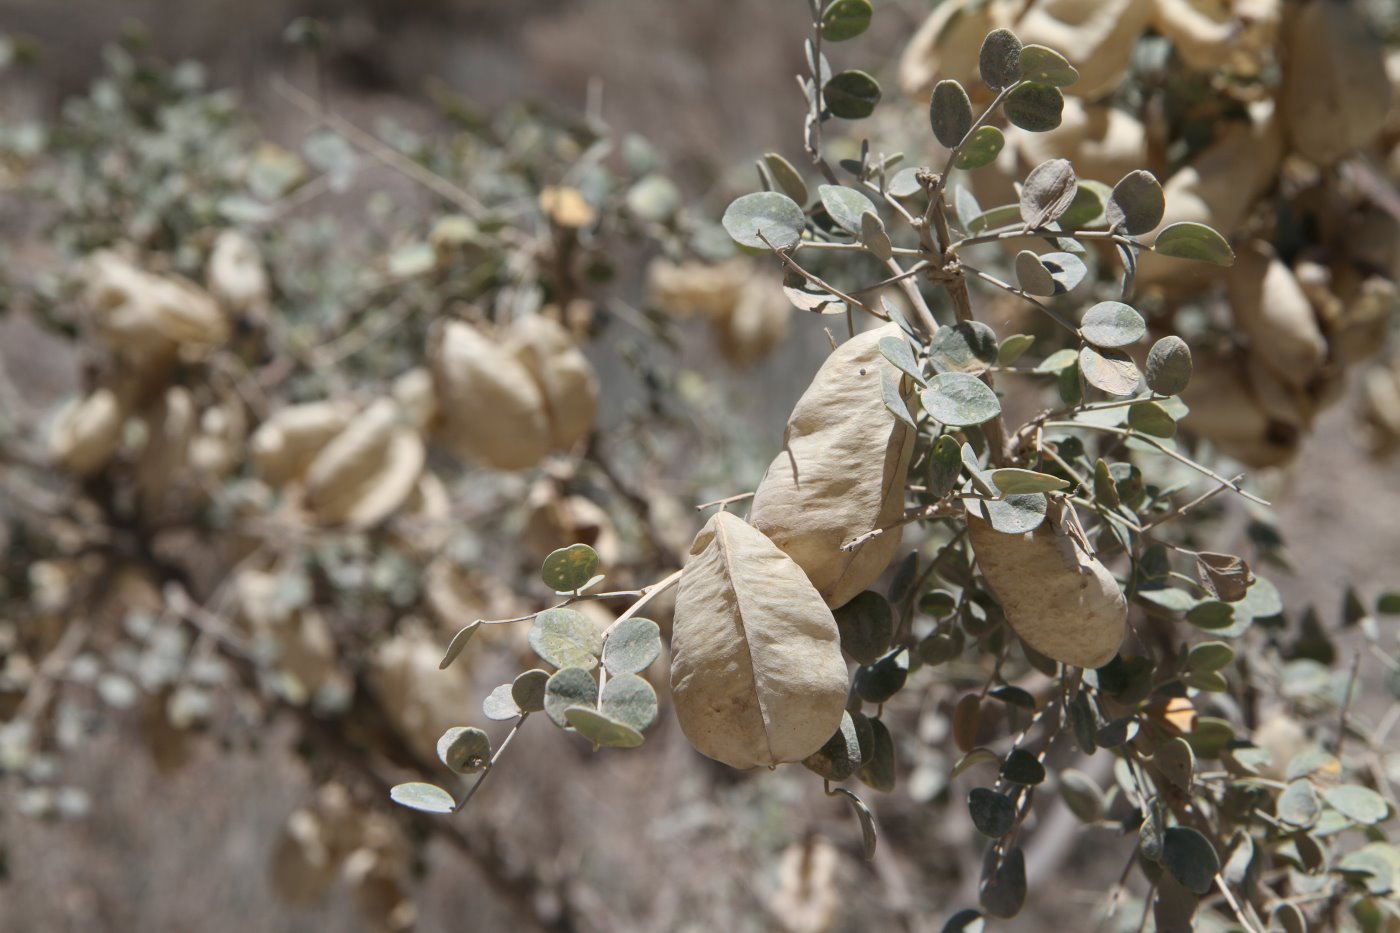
[[1054, 315], [820, 283]]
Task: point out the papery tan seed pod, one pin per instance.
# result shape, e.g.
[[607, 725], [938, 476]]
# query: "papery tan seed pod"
[[808, 894], [303, 865], [1104, 142], [556, 521], [236, 276], [87, 432], [841, 472], [947, 44], [1226, 411], [1219, 188], [1336, 91], [1380, 407], [492, 410], [218, 446], [299, 642], [756, 322], [367, 470], [414, 392], [1236, 35], [425, 524], [690, 288], [757, 673], [564, 375], [170, 425], [1274, 313], [138, 311], [421, 701], [1097, 36], [284, 445], [1055, 592]]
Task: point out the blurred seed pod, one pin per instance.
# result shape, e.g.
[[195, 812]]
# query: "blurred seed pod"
[[709, 289], [1055, 592], [170, 426], [1380, 407], [367, 470], [841, 472], [807, 896], [948, 43], [218, 446], [492, 410], [421, 701], [563, 374], [556, 521], [1238, 36], [413, 391], [138, 311], [1284, 738], [236, 276], [1097, 36], [86, 432], [1104, 142], [294, 638], [315, 842], [284, 445], [1274, 314], [425, 521], [756, 322], [1218, 187], [746, 307], [1336, 92], [1226, 411]]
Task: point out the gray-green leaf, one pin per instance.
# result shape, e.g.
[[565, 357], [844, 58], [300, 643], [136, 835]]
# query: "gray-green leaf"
[[764, 214], [426, 797], [786, 177], [845, 19], [464, 749], [566, 638], [866, 625], [1048, 191], [1169, 366], [950, 113], [629, 699], [1036, 108], [1000, 59], [632, 646], [572, 686], [567, 569], [851, 95], [845, 205], [1137, 203], [1046, 66], [959, 400], [1112, 324], [982, 148], [1188, 240]]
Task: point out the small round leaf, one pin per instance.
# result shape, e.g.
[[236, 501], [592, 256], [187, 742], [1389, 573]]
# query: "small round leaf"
[[1112, 324], [950, 113], [1168, 366], [1190, 858], [879, 772], [1046, 66], [840, 756], [569, 568], [959, 400], [851, 95], [629, 699], [1188, 240], [1112, 371], [1036, 108], [1021, 767], [500, 705], [1013, 481], [1000, 59], [464, 749], [846, 206], [1137, 203], [426, 797], [966, 347], [787, 178], [992, 813], [527, 690], [866, 626], [845, 19], [566, 638], [572, 686], [601, 729], [764, 214], [982, 148], [1359, 804], [632, 646]]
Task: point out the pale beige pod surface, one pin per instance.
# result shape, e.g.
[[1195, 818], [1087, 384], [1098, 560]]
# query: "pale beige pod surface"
[[947, 44], [1336, 91], [284, 445], [1056, 594], [757, 673], [1272, 309], [565, 377], [87, 432], [492, 410], [1097, 36], [841, 473]]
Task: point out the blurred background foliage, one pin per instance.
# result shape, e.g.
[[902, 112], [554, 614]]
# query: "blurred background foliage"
[[218, 654]]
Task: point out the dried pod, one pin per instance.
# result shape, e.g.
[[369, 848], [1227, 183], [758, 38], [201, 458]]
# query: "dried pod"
[[492, 410], [170, 426], [217, 447], [87, 432], [284, 445], [138, 311], [1236, 35], [557, 521], [756, 322], [1097, 36], [1272, 310], [413, 391], [1226, 411], [302, 646], [691, 288], [564, 375], [841, 473], [421, 701], [1336, 92], [1055, 592], [756, 667], [948, 43], [235, 274], [366, 471]]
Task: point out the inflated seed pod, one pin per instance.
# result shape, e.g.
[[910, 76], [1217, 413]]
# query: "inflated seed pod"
[[564, 376], [1055, 592], [235, 274], [284, 445], [1226, 411], [421, 701], [757, 674], [87, 432], [1097, 36], [367, 470], [690, 288], [1274, 313], [1237, 35], [170, 426], [491, 409], [756, 322], [1336, 91], [841, 472]]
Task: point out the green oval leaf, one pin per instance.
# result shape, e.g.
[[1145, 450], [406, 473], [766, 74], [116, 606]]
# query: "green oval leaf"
[[566, 638], [1298, 805], [982, 148], [499, 704], [1032, 276], [764, 214], [527, 690], [966, 347], [1000, 59], [632, 646], [879, 772], [1359, 804], [845, 19], [464, 749], [901, 357], [992, 813], [1112, 324], [572, 686], [1169, 366], [959, 400], [629, 699], [1046, 66], [1151, 418], [786, 177], [1014, 515], [1021, 767], [949, 113], [458, 644], [1013, 481], [426, 797], [1013, 347], [874, 237], [1082, 795], [840, 756], [601, 729], [866, 625], [1036, 108], [1188, 240], [1048, 191], [1111, 371], [1137, 203], [851, 95], [569, 568], [877, 682], [845, 205], [1190, 858]]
